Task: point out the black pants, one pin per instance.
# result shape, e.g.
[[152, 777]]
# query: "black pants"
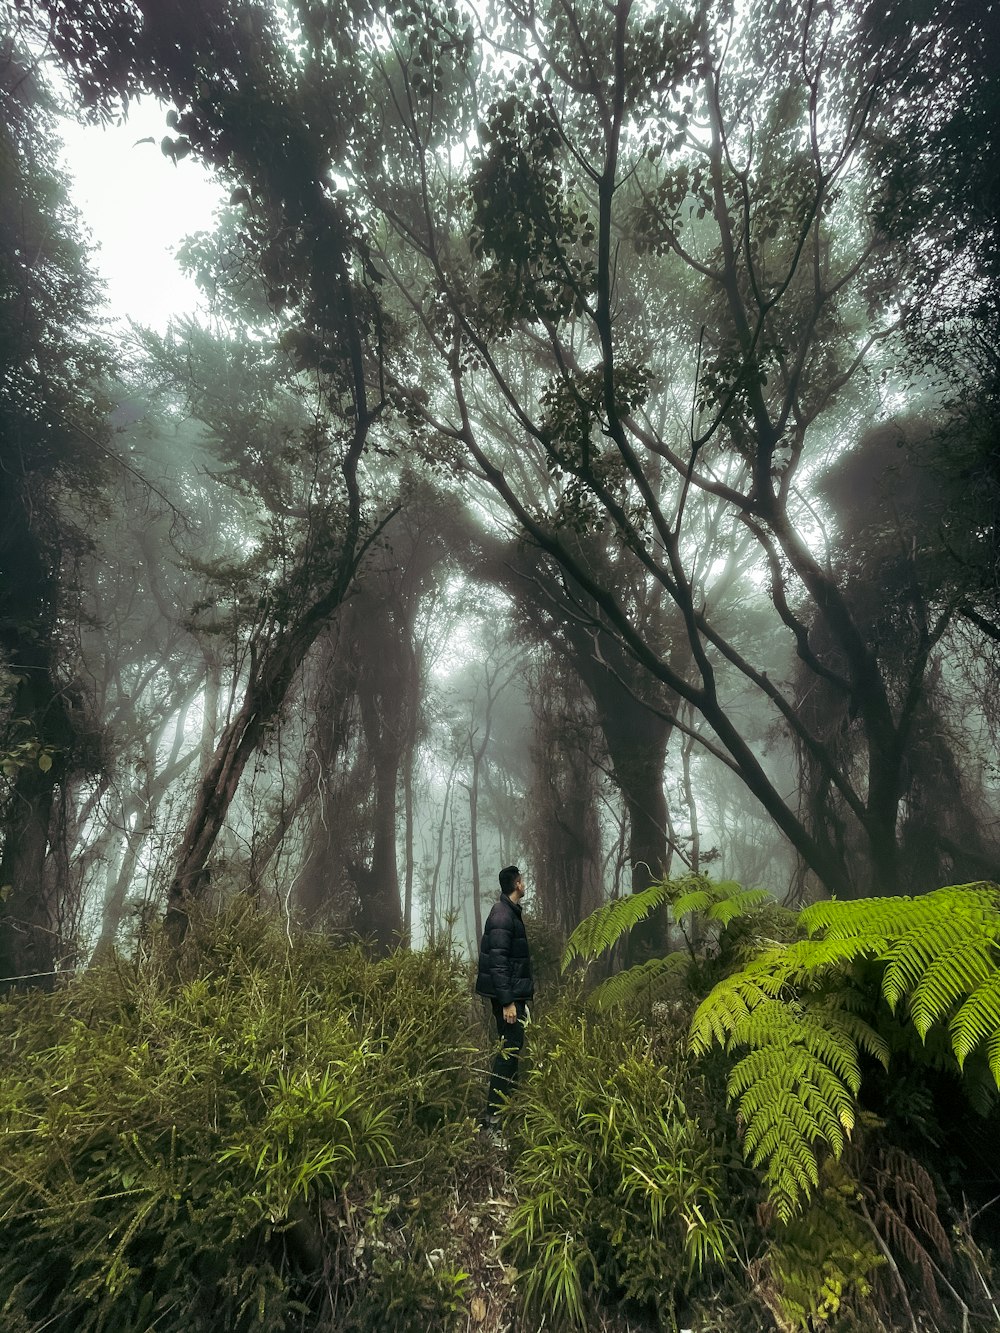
[[505, 1065]]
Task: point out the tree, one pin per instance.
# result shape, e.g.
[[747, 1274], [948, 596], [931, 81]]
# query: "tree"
[[563, 814], [666, 200], [649, 258], [238, 107], [897, 543], [53, 444], [367, 702]]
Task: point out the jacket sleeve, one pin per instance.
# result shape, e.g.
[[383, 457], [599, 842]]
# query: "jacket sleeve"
[[500, 939]]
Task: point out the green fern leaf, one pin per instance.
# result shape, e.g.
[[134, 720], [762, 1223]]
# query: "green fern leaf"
[[977, 1020], [696, 900], [911, 958], [863, 1035], [604, 928], [805, 961], [993, 1055], [738, 904], [649, 979], [719, 1017], [949, 977], [803, 1014]]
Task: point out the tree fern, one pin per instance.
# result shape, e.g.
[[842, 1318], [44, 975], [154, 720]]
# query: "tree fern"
[[978, 1020], [722, 902], [804, 1013]]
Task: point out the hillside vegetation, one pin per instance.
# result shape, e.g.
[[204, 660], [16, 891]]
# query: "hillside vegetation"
[[276, 1131]]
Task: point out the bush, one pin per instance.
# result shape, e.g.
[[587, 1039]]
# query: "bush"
[[618, 1189], [201, 1151], [847, 1037]]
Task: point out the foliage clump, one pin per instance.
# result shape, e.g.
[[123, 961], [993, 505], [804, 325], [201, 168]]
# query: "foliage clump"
[[846, 1040], [619, 1190], [233, 1143]]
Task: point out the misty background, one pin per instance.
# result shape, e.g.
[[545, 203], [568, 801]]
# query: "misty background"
[[495, 440]]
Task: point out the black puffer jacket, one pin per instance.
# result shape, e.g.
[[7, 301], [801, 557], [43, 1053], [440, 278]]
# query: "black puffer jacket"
[[504, 961]]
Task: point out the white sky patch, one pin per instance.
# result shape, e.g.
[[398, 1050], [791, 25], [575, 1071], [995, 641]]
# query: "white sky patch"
[[139, 207]]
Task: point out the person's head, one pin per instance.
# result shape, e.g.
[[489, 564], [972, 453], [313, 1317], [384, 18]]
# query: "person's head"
[[512, 883]]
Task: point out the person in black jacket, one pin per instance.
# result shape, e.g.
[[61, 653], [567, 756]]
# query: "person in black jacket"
[[505, 976]]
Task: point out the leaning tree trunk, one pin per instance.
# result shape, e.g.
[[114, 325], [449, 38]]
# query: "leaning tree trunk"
[[271, 678]]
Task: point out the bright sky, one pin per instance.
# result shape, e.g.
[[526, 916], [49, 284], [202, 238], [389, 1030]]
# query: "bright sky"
[[139, 206]]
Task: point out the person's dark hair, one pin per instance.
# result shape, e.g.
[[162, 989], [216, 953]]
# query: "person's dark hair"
[[508, 878]]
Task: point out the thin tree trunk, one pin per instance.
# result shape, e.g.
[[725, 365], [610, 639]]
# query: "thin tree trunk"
[[689, 801], [439, 859], [477, 901], [408, 762]]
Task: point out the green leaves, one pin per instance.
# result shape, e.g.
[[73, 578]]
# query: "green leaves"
[[184, 1147], [619, 1191], [531, 234], [806, 1012], [605, 927], [723, 904]]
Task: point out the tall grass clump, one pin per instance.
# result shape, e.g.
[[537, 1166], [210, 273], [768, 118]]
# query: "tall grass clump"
[[227, 1139], [620, 1192]]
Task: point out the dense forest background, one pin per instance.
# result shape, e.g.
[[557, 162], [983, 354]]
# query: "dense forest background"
[[585, 456]]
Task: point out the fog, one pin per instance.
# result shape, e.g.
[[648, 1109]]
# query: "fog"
[[582, 458]]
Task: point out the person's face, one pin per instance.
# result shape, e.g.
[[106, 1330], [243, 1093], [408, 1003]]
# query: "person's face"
[[519, 889]]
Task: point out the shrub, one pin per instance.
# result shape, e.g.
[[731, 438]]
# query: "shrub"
[[618, 1190], [197, 1148], [838, 1029]]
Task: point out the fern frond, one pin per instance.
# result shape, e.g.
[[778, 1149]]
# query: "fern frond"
[[794, 1105], [719, 1017], [789, 1046], [911, 958], [978, 1020], [839, 919], [805, 959], [604, 928], [740, 903], [696, 900], [949, 977], [891, 918], [920, 1200], [861, 1033], [651, 979], [804, 1013], [723, 901], [993, 1055]]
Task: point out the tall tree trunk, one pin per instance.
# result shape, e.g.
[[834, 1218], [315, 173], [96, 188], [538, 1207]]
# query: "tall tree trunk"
[[439, 858], [380, 906], [270, 680], [408, 833], [477, 896], [29, 942], [691, 803]]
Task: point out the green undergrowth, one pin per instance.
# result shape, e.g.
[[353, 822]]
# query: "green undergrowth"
[[622, 1194], [273, 1132], [854, 1049], [267, 1141]]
